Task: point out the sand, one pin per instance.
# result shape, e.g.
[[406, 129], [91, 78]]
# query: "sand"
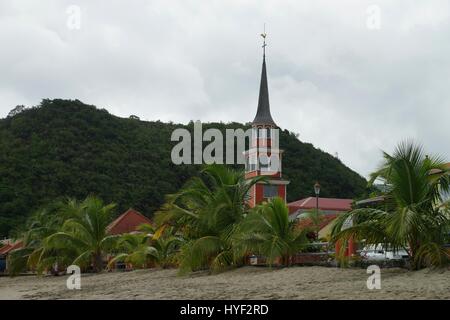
[[242, 283]]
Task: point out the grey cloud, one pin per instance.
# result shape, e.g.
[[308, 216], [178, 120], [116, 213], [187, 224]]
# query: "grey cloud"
[[343, 87]]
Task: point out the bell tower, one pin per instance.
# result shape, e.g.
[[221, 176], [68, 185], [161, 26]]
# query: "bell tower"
[[264, 156]]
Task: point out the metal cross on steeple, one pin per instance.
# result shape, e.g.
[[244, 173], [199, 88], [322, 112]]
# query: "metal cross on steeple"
[[264, 35]]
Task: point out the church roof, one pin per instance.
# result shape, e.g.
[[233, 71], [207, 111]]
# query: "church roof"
[[263, 115]]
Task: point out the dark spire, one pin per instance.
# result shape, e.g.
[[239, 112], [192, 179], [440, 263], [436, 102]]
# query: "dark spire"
[[263, 113]]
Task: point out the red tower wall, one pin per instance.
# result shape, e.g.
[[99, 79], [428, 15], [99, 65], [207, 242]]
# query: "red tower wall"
[[282, 192], [256, 195]]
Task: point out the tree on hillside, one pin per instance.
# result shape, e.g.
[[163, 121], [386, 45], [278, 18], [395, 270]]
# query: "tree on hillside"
[[65, 148], [18, 109]]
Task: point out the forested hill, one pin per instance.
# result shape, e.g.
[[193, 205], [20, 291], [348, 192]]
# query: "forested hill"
[[67, 148]]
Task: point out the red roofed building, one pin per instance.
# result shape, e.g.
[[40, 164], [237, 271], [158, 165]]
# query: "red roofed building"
[[10, 247], [5, 250], [324, 221], [127, 222], [328, 206]]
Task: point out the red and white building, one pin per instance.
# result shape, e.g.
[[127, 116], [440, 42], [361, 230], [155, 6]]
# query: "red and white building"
[[330, 208]]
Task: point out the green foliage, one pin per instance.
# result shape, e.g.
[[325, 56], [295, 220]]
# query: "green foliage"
[[64, 148], [39, 225], [315, 216], [16, 110], [70, 232], [414, 215], [141, 249], [85, 233], [207, 210], [268, 231], [17, 261]]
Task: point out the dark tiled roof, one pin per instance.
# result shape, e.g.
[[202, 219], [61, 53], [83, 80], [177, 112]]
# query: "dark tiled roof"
[[263, 113]]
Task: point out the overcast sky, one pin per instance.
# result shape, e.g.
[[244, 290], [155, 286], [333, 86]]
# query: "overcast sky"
[[344, 80]]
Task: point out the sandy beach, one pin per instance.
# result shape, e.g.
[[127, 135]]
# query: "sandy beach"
[[242, 283]]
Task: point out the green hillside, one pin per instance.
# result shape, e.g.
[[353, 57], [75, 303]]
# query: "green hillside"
[[67, 148]]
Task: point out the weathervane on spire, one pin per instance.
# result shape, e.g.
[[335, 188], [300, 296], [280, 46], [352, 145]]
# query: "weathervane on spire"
[[264, 35]]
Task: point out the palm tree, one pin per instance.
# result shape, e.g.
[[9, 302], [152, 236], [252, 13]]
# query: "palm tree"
[[140, 249], [206, 211], [268, 231], [40, 225], [316, 218], [85, 232], [414, 216], [132, 248]]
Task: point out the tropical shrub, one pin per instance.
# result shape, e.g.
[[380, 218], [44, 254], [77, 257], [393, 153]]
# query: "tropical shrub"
[[206, 211], [40, 225], [315, 217], [414, 215], [144, 248], [82, 239], [268, 231]]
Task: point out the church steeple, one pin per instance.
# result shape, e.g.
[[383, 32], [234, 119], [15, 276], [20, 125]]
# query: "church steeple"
[[263, 116], [263, 158]]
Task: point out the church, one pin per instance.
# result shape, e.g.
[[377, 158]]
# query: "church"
[[264, 158]]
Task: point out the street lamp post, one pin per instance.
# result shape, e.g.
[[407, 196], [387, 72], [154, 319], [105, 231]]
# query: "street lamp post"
[[317, 192]]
